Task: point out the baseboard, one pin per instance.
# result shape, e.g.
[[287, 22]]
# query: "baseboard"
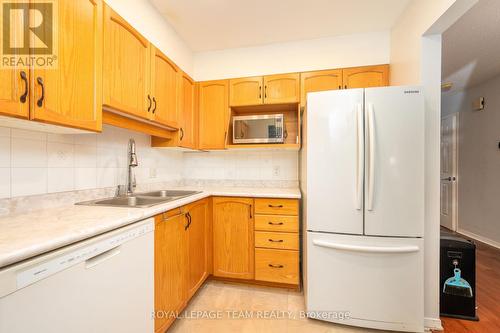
[[433, 324], [482, 239]]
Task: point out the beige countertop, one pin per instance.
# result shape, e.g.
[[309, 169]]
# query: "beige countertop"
[[27, 235]]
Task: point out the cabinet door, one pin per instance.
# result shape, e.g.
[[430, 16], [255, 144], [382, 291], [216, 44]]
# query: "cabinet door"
[[197, 245], [214, 114], [245, 91], [126, 68], [188, 117], [365, 77], [281, 88], [319, 81], [170, 267], [233, 237], [71, 94], [165, 88]]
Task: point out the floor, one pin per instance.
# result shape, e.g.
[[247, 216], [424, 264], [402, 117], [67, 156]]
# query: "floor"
[[488, 295], [217, 298]]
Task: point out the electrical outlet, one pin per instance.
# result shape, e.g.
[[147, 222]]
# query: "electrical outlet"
[[276, 170], [152, 172]]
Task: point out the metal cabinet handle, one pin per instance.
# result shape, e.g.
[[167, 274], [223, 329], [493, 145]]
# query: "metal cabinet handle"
[[25, 79], [154, 108], [149, 106], [340, 87], [182, 134], [272, 223], [276, 266], [275, 241], [188, 218], [273, 206], [260, 91], [250, 211], [265, 91], [39, 80]]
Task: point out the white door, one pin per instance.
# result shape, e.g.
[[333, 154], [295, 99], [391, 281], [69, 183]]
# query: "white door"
[[394, 177], [448, 171], [334, 161], [377, 280]]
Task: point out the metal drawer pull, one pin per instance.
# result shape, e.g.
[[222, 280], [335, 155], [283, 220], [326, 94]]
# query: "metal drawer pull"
[[25, 80], [276, 241], [39, 103], [272, 223], [273, 206], [276, 266]]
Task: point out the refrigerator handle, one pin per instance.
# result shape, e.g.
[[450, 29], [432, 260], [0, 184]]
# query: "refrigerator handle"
[[371, 156], [367, 249], [360, 157]]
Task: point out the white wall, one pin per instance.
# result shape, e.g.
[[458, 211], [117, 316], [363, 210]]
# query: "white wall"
[[322, 53], [478, 160], [416, 60], [144, 17], [242, 165], [38, 163], [406, 42]]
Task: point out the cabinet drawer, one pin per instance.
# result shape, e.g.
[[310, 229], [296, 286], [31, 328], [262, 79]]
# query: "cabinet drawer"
[[281, 266], [277, 240], [277, 206], [277, 223]]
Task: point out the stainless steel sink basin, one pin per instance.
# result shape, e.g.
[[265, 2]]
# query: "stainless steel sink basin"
[[131, 201], [168, 193], [140, 200]]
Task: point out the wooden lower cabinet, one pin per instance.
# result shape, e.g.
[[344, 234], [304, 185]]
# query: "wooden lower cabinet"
[[171, 267], [198, 243], [233, 237], [280, 266]]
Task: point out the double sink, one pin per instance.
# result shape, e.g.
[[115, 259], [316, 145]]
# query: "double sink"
[[141, 200]]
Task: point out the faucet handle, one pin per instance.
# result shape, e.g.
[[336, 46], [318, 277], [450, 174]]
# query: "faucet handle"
[[120, 191]]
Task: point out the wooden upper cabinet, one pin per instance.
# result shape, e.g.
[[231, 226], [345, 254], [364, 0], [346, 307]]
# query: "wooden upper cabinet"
[[233, 237], [246, 91], [71, 94], [319, 81], [126, 68], [188, 116], [281, 88], [197, 245], [165, 76], [213, 113], [365, 77], [170, 268]]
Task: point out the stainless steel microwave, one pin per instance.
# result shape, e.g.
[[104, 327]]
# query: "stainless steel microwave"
[[258, 129]]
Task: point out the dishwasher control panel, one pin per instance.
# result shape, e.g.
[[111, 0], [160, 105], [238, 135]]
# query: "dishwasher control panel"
[[47, 268]]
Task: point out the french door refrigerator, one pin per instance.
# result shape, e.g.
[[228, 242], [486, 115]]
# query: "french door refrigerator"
[[363, 188]]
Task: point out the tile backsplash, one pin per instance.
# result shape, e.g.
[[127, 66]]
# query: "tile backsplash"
[[34, 163], [37, 163]]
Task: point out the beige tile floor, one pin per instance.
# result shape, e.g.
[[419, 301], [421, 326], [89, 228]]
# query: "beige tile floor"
[[216, 298]]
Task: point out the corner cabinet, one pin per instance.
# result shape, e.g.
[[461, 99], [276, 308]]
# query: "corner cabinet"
[[70, 94], [188, 114], [233, 237], [165, 77], [213, 114], [126, 67]]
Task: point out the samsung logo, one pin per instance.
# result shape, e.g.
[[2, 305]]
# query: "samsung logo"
[[412, 91]]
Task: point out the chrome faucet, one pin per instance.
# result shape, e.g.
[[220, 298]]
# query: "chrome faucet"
[[132, 163]]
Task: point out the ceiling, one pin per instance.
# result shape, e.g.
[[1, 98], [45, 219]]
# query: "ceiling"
[[222, 24], [471, 47]]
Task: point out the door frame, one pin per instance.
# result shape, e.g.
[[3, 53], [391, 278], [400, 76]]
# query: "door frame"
[[455, 121]]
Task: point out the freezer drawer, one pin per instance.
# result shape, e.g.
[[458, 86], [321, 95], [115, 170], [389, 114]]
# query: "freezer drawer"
[[377, 280]]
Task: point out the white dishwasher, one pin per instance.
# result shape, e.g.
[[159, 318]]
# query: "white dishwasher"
[[103, 284]]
